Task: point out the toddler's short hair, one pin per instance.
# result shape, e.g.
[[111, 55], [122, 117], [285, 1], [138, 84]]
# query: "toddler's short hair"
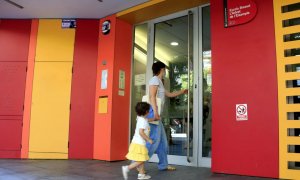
[[142, 108]]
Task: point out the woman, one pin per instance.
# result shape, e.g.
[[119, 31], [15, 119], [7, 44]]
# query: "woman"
[[157, 132]]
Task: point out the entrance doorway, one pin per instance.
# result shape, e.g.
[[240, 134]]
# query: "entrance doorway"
[[182, 42]]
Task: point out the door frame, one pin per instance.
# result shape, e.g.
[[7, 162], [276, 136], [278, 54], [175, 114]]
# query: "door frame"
[[202, 161]]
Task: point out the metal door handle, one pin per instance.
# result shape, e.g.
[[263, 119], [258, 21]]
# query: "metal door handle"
[[188, 101]]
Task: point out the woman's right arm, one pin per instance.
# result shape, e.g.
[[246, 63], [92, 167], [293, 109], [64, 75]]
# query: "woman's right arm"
[[153, 91]]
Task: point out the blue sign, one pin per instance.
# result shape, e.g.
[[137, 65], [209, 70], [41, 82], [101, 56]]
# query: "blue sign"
[[68, 23]]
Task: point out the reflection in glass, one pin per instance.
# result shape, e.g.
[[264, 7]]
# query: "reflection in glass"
[[139, 70], [171, 47], [207, 82]]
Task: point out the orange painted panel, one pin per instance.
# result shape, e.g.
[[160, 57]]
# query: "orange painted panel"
[[102, 129], [28, 89], [111, 129]]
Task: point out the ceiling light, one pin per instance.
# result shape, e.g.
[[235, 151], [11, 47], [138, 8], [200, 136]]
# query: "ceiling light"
[[174, 43]]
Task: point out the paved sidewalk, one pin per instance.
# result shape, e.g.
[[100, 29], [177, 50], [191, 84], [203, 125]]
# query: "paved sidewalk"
[[92, 169]]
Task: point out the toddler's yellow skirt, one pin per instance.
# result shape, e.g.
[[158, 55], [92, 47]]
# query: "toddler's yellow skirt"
[[137, 152]]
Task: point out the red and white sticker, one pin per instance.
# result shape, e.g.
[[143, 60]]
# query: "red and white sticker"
[[241, 112]]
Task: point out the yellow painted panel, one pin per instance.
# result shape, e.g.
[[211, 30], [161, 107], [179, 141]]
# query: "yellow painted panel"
[[282, 76], [292, 124], [292, 92], [103, 103], [293, 157], [287, 2], [47, 156], [292, 60], [53, 42], [291, 44], [281, 70], [290, 15], [293, 140], [291, 75], [291, 107], [49, 125], [292, 174], [290, 30]]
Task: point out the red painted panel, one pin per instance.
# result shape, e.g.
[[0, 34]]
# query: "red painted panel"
[[10, 117], [83, 90], [14, 40], [10, 138], [12, 89], [244, 71], [121, 104], [10, 154]]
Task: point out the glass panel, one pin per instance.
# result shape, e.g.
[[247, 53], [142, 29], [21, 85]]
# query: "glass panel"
[[207, 82], [294, 165], [292, 68], [291, 37], [291, 22], [139, 70], [293, 148], [293, 116], [293, 99], [171, 47], [291, 7], [293, 132], [293, 83], [292, 52]]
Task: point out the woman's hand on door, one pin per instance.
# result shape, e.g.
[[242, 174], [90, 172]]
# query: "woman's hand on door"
[[184, 91]]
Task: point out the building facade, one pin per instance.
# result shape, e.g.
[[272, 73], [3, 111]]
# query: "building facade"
[[69, 93]]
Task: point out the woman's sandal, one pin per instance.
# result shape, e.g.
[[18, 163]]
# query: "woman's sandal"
[[171, 168]]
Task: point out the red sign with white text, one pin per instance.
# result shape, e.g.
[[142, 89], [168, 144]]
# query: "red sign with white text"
[[238, 12]]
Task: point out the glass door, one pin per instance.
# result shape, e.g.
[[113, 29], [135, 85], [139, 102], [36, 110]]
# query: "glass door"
[[182, 42], [174, 38]]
